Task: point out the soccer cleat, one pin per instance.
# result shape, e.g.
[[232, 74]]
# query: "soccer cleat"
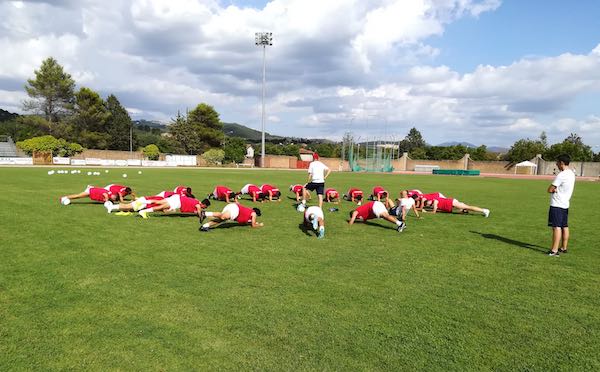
[[401, 227], [137, 205], [123, 214], [144, 214], [562, 250], [321, 234], [65, 201], [204, 229], [553, 254], [108, 205], [486, 213]]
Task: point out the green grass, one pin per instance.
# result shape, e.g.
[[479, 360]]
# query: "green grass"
[[80, 289]]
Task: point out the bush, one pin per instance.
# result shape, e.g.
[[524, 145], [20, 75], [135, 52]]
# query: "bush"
[[58, 147], [214, 156], [151, 152]]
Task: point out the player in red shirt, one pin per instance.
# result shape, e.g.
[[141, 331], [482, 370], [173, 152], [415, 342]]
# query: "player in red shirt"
[[232, 212], [179, 190], [254, 191], [120, 190], [94, 193], [140, 203], [354, 195], [448, 204], [271, 192], [332, 196], [427, 199], [372, 210], [185, 204], [417, 195], [379, 193], [298, 190], [223, 193]]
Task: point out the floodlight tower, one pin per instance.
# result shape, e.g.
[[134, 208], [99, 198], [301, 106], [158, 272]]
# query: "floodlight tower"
[[263, 39]]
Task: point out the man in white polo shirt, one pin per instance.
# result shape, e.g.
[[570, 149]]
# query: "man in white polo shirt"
[[561, 190], [317, 173]]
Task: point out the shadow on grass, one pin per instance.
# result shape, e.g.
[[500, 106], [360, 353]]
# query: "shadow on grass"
[[369, 223], [533, 247], [185, 215], [304, 229]]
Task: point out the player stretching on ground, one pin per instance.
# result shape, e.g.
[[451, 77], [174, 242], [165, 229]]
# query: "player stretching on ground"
[[354, 195], [121, 191], [379, 193], [223, 193], [184, 204], [448, 204], [298, 190], [372, 210], [232, 212], [254, 191], [332, 196], [179, 190], [314, 217], [94, 193], [271, 192]]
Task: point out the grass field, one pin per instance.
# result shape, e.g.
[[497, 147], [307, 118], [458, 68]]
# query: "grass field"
[[81, 289]]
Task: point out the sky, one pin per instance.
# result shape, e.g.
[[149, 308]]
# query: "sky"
[[482, 71]]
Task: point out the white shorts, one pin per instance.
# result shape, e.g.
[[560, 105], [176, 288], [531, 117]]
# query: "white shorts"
[[245, 189], [233, 210], [318, 212], [174, 202], [379, 209]]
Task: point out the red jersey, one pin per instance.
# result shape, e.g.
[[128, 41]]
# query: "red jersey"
[[332, 193], [378, 191], [414, 192], [365, 211], [153, 198], [445, 204], [167, 194], [244, 215], [254, 190], [97, 194], [431, 196], [117, 190], [353, 193], [180, 190], [188, 205], [297, 189], [266, 188], [221, 192]]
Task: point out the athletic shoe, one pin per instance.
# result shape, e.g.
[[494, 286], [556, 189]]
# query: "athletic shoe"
[[321, 234], [315, 223], [553, 254], [401, 227], [143, 214], [204, 229], [562, 250], [486, 213], [202, 216], [137, 205], [65, 201], [108, 205], [123, 214]]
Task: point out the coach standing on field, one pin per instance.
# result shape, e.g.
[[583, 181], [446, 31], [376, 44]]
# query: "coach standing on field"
[[561, 190], [317, 173]]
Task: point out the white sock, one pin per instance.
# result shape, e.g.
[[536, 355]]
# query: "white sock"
[[398, 223], [206, 225], [114, 208], [303, 201], [209, 214]]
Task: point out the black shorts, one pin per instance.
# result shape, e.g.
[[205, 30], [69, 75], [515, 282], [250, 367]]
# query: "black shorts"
[[312, 186], [558, 217]]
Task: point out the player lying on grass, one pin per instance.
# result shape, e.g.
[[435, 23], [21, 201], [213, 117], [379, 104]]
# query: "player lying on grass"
[[332, 196], [405, 204], [298, 190], [447, 205], [314, 217], [372, 210], [142, 202], [185, 204], [223, 193], [120, 190], [254, 191], [419, 195], [427, 199], [354, 195], [179, 190], [97, 194], [234, 212], [379, 193], [270, 192]]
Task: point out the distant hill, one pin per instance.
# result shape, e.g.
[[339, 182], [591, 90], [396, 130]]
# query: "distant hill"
[[238, 130], [5, 115], [502, 150], [454, 143], [149, 124]]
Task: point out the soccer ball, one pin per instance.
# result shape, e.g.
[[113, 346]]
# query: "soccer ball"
[[124, 175], [301, 207], [50, 172], [139, 172], [65, 201]]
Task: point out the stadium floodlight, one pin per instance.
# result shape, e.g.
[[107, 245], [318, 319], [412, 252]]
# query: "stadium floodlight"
[[263, 39]]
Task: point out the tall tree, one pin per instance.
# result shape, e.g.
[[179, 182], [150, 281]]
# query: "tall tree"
[[89, 119], [413, 140], [199, 131], [525, 149], [51, 91], [572, 145], [118, 125]]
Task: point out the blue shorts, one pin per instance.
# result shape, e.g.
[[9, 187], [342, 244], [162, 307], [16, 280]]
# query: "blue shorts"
[[558, 217], [319, 187]]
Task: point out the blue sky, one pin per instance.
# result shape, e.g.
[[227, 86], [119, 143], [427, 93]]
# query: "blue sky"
[[483, 71]]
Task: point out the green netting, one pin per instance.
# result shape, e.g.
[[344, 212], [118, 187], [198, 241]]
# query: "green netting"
[[378, 160]]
